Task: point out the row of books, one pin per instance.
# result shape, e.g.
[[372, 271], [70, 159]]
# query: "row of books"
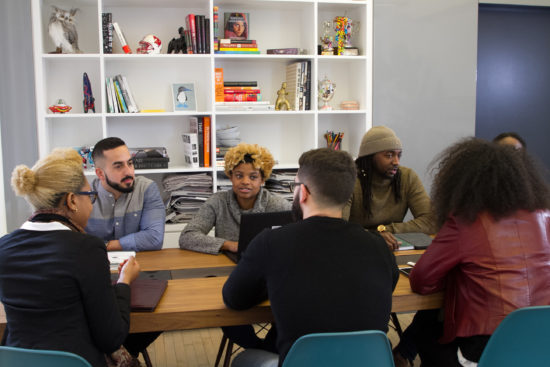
[[237, 47], [298, 85], [196, 143], [197, 34], [119, 96]]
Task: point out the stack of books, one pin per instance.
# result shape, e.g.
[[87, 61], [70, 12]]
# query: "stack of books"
[[298, 85], [237, 47], [119, 96], [241, 91], [239, 95]]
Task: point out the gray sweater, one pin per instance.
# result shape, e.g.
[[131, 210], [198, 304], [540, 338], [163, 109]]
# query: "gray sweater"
[[222, 211]]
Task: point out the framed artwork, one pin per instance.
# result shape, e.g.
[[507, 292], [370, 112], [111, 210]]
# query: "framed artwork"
[[236, 26], [183, 97]]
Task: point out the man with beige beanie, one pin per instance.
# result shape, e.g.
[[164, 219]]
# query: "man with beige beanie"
[[384, 190]]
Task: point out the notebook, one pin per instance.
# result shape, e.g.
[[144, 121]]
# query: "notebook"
[[419, 241], [253, 223], [146, 294]]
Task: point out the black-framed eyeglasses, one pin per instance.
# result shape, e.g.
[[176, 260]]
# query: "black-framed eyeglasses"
[[295, 184], [91, 194]]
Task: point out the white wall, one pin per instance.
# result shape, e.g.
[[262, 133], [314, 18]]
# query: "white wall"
[[425, 59], [17, 110]]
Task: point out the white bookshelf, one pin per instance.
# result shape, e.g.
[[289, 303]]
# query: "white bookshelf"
[[274, 24]]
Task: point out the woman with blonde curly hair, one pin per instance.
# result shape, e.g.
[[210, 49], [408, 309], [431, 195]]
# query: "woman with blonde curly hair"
[[55, 281], [248, 166]]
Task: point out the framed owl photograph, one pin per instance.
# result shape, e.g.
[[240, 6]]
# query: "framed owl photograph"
[[183, 97]]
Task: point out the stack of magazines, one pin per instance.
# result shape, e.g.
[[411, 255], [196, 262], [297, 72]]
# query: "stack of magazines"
[[278, 183], [187, 193]]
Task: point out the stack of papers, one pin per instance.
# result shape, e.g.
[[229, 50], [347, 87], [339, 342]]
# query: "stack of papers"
[[117, 257], [187, 193]]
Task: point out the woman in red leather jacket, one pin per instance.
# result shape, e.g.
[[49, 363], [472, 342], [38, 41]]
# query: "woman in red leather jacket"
[[492, 252]]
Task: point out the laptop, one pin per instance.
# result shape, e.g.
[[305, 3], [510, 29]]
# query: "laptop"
[[252, 224], [420, 241]]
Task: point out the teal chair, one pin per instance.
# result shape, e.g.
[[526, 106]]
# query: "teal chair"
[[20, 357], [521, 339], [369, 348]]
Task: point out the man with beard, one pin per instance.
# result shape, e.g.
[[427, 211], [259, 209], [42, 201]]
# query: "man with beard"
[[129, 213], [384, 191], [322, 273]]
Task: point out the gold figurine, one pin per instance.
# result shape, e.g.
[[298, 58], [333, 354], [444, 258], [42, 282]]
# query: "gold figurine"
[[281, 99]]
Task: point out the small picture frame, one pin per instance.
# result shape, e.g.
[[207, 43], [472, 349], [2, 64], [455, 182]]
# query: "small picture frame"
[[236, 26], [183, 97]]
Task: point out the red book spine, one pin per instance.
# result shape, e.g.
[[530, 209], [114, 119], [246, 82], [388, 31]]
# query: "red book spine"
[[207, 128], [241, 97], [193, 30]]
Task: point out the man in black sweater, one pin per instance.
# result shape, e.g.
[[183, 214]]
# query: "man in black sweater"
[[322, 273]]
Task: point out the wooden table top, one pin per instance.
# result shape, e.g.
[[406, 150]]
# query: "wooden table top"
[[197, 303], [175, 258]]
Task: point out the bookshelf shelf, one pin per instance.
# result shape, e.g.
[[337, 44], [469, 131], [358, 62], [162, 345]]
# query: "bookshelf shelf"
[[273, 23]]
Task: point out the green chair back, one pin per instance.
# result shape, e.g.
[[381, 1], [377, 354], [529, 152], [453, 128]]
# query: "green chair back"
[[521, 339], [346, 349], [20, 357]]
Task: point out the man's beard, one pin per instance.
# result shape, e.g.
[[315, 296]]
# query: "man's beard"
[[118, 187], [297, 213]]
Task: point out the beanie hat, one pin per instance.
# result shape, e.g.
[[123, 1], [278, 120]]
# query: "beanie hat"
[[379, 139]]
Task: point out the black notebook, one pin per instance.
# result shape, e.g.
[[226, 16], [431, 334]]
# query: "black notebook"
[[146, 294], [420, 241]]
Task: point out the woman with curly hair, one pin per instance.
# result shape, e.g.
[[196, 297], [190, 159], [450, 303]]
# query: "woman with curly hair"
[[492, 250], [55, 282], [247, 166]]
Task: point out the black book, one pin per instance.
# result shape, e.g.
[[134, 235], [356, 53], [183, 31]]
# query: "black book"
[[107, 28], [197, 126], [199, 24], [240, 84], [308, 85], [202, 27], [207, 35]]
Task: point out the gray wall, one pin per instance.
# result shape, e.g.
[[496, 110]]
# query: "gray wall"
[[17, 102], [425, 56], [424, 81]]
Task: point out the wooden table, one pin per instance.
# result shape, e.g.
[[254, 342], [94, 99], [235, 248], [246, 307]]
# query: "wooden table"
[[185, 263], [197, 303]]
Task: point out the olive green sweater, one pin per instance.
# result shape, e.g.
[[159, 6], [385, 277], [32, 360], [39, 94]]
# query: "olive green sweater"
[[386, 211]]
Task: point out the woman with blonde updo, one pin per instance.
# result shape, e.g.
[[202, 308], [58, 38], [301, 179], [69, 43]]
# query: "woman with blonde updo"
[[248, 166], [54, 279]]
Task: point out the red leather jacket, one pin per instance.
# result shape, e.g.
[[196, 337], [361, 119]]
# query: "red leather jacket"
[[488, 269]]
